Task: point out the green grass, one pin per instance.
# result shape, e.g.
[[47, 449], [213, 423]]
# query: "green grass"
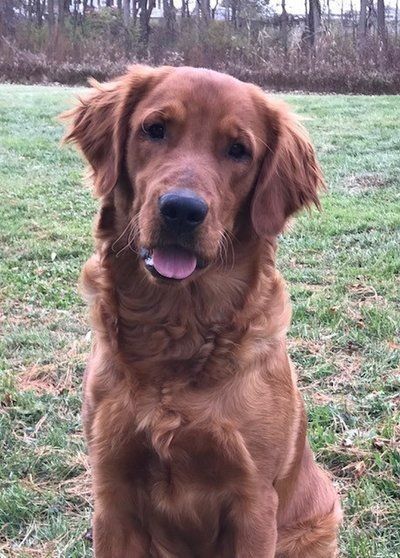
[[342, 266]]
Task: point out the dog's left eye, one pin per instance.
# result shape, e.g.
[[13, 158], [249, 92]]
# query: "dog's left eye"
[[238, 151], [156, 131]]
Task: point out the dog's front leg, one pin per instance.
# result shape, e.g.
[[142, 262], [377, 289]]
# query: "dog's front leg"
[[117, 532], [114, 537], [255, 529]]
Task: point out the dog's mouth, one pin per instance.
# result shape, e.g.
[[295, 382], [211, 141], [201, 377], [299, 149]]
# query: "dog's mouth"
[[171, 262]]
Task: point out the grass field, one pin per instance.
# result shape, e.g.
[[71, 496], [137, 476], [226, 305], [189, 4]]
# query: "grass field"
[[342, 266]]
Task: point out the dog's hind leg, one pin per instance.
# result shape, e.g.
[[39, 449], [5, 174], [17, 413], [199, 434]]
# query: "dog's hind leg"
[[314, 538]]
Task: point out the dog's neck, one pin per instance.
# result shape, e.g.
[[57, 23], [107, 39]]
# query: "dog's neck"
[[152, 325]]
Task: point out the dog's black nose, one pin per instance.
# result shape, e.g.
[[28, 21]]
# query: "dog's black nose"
[[182, 210]]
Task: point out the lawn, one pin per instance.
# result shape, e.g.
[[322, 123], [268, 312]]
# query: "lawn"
[[342, 266]]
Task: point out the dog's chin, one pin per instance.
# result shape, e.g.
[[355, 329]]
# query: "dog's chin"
[[172, 264]]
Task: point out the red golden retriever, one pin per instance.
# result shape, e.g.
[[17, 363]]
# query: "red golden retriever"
[[195, 426]]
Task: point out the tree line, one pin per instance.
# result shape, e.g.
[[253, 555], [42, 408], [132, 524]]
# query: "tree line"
[[246, 37], [369, 18]]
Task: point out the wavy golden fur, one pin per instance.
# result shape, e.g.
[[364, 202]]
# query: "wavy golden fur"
[[195, 426]]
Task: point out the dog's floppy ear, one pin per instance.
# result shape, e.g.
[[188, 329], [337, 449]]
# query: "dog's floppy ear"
[[290, 175], [100, 123]]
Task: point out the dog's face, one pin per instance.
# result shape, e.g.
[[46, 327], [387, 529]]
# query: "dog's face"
[[199, 150], [193, 151]]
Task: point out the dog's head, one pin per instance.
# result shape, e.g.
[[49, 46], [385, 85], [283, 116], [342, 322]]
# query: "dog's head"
[[189, 156]]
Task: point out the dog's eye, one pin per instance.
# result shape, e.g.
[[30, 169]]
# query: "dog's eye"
[[238, 151], [156, 131]]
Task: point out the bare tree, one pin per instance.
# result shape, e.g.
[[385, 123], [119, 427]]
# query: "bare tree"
[[145, 7], [314, 19], [396, 21], [6, 17], [39, 13], [204, 8], [284, 26], [235, 11], [135, 9], [362, 23], [185, 9], [381, 20], [381, 25], [60, 12], [50, 9], [169, 17], [354, 22], [214, 9], [127, 12]]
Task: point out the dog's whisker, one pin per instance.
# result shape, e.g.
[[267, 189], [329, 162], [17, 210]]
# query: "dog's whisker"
[[133, 230], [226, 252], [225, 245], [134, 234], [230, 239], [221, 252], [263, 143], [113, 246]]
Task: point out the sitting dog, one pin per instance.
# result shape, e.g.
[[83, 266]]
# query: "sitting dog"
[[195, 426]]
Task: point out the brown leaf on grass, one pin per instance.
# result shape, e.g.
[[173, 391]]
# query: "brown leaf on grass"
[[7, 400], [356, 469], [352, 347], [347, 443], [363, 291], [380, 443]]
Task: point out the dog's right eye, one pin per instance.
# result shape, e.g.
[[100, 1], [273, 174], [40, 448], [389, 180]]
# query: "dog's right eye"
[[156, 131], [238, 151]]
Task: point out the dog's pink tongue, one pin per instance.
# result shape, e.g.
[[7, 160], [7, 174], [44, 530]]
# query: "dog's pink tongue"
[[173, 262]]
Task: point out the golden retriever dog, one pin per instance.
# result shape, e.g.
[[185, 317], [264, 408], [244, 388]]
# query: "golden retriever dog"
[[195, 426]]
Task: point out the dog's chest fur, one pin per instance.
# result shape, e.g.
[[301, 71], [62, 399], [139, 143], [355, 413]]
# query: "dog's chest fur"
[[179, 382], [180, 420], [172, 457]]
